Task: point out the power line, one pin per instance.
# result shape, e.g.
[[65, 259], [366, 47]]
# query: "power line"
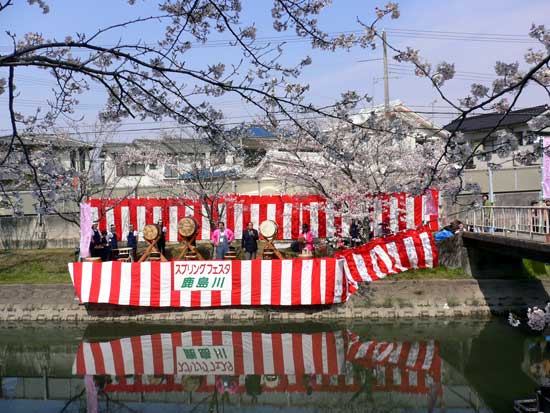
[[406, 33]]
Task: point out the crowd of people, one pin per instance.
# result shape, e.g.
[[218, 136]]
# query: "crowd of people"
[[105, 244]]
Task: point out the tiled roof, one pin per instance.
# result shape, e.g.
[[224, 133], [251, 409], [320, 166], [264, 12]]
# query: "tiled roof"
[[43, 140], [490, 120]]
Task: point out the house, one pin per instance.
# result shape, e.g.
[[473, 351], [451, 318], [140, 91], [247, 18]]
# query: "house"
[[162, 167], [68, 153], [513, 183]]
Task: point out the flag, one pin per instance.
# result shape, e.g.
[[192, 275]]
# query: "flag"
[[85, 229], [546, 169]]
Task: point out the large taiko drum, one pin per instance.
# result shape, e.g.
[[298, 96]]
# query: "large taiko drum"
[[188, 226], [269, 229], [151, 232]]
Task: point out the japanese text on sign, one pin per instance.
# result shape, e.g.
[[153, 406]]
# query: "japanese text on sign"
[[205, 360], [202, 275]]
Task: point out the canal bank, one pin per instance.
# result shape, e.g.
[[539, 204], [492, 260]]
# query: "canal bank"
[[382, 299]]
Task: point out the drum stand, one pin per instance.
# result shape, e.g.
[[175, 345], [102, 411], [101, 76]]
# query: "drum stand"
[[152, 248], [269, 243], [188, 246]]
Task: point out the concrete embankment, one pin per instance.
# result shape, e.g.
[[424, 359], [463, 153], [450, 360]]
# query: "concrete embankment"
[[382, 299]]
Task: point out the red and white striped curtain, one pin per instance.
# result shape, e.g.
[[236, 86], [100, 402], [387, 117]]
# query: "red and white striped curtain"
[[389, 255], [288, 282], [400, 211]]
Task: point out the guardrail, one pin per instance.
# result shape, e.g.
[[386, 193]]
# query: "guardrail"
[[532, 221]]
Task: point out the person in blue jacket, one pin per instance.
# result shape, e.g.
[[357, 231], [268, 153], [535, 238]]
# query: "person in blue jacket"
[[449, 230]]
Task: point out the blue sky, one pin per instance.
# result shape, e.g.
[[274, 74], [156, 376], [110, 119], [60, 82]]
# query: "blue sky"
[[331, 73]]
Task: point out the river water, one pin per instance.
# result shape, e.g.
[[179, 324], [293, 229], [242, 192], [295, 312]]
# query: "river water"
[[423, 366]]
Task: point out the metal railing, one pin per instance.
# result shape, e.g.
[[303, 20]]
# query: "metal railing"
[[531, 221]]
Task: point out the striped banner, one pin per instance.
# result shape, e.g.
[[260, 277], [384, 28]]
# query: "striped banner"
[[400, 211], [389, 255], [237, 283], [207, 352]]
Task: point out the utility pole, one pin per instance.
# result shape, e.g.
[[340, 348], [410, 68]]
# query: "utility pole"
[[386, 77], [491, 191]]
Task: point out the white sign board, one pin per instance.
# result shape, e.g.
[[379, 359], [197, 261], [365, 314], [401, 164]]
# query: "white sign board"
[[202, 275]]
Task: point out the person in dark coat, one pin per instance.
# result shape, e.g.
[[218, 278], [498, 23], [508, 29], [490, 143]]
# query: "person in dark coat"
[[105, 247], [132, 241], [354, 233], [161, 243], [112, 240], [95, 243], [249, 242]]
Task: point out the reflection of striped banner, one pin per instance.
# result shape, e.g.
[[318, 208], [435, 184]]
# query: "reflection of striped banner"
[[418, 355], [395, 379], [256, 282], [288, 383], [399, 366], [252, 353], [400, 211], [390, 255]]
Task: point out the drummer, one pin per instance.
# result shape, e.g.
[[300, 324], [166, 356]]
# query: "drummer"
[[249, 242], [161, 243]]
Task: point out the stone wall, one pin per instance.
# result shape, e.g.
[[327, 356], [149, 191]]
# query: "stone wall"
[[31, 232], [380, 299]]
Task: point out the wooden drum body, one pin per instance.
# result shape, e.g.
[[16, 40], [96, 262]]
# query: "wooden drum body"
[[151, 232], [188, 227], [269, 229]]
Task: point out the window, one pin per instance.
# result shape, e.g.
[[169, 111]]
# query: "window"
[[217, 158], [252, 157], [490, 145], [82, 159], [134, 169], [170, 172], [153, 165], [529, 138], [470, 165], [73, 159]]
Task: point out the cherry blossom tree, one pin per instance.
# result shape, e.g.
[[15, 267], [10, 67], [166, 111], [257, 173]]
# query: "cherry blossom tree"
[[351, 164], [156, 80]]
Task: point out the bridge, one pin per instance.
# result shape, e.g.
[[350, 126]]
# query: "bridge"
[[523, 222], [517, 231], [498, 238]]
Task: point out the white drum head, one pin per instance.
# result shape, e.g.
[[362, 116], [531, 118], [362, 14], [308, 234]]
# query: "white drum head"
[[268, 228]]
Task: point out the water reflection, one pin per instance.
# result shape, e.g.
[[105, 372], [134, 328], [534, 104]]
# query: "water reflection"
[[287, 368], [254, 363]]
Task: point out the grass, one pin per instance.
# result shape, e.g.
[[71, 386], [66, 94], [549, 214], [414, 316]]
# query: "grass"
[[438, 273], [536, 269], [47, 266]]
